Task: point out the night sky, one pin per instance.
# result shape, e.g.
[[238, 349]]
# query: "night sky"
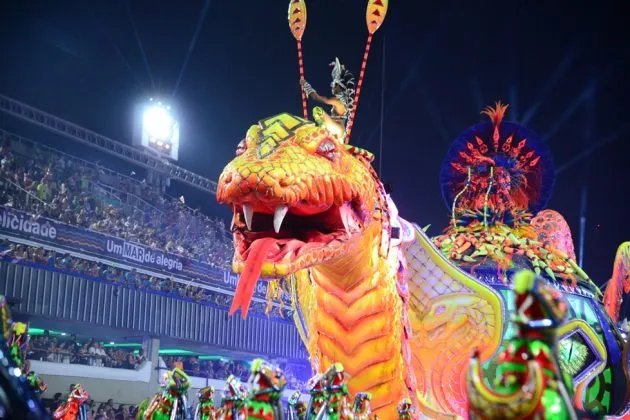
[[564, 70]]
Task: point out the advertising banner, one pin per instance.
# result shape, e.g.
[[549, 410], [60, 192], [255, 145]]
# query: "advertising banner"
[[43, 230]]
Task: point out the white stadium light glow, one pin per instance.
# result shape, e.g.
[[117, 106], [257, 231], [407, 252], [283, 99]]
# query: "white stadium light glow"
[[157, 129], [158, 123]]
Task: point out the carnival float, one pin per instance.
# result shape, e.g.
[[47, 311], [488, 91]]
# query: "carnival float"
[[493, 318], [405, 313]]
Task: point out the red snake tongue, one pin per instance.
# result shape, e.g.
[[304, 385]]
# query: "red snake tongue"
[[247, 282]]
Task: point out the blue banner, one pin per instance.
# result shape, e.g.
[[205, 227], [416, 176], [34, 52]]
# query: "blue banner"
[[43, 230]]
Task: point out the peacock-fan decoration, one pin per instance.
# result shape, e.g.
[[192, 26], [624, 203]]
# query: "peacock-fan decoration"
[[495, 177]]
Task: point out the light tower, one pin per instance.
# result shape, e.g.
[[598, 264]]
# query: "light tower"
[[156, 129]]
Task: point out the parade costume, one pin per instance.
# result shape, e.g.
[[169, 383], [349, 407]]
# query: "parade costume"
[[297, 408], [205, 409], [233, 400], [268, 382], [74, 408], [171, 402]]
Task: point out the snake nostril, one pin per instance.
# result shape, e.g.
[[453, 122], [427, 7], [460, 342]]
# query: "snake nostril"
[[284, 182], [228, 178]]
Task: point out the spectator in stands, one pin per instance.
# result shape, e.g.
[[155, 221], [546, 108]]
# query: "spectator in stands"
[[47, 183], [123, 413]]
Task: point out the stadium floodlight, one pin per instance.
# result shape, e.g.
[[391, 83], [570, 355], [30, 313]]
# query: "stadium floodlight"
[[156, 128]]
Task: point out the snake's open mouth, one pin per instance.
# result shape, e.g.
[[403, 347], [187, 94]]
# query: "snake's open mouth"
[[289, 238], [274, 240]]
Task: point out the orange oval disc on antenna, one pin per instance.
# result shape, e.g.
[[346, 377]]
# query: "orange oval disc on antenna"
[[297, 18], [375, 14]]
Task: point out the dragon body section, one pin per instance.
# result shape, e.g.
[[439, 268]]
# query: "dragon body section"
[[357, 318], [311, 210]]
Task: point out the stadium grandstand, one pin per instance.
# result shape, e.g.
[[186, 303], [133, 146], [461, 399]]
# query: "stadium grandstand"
[[119, 281]]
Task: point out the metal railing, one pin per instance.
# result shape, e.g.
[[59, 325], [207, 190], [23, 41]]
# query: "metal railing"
[[57, 296], [29, 195], [105, 144]]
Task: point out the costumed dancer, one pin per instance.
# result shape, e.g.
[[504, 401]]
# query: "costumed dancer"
[[529, 382], [171, 403], [36, 383], [361, 409], [18, 341], [337, 404], [74, 408], [297, 408], [233, 400], [405, 409], [268, 382], [317, 390], [205, 407], [341, 101]]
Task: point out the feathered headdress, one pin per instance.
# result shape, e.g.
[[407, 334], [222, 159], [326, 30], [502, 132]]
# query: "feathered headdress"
[[341, 76]]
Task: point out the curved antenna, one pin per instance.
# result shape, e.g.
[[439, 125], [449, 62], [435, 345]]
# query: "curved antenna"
[[374, 17], [297, 24]]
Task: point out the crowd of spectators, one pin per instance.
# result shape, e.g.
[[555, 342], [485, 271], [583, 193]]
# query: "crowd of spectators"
[[127, 278], [84, 194], [69, 349]]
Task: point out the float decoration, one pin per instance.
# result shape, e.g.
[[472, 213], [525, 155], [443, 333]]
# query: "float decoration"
[[346, 97], [323, 204], [619, 283], [496, 175], [552, 229], [374, 16], [311, 215], [297, 24], [529, 381]]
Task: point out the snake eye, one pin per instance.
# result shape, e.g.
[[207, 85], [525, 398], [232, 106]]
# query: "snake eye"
[[328, 149], [240, 149]]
